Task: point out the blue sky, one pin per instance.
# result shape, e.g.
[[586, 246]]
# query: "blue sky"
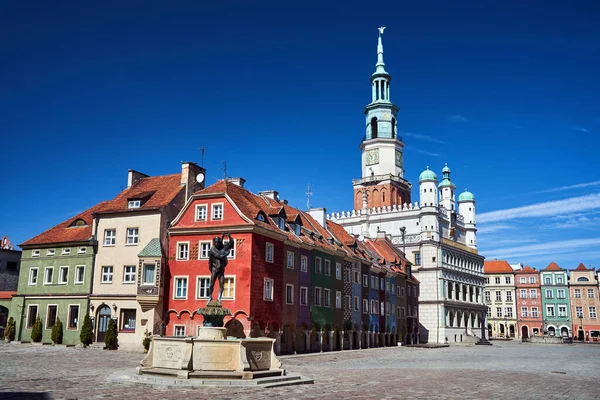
[[505, 92]]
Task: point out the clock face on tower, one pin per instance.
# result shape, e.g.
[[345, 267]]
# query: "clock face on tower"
[[398, 158], [372, 157]]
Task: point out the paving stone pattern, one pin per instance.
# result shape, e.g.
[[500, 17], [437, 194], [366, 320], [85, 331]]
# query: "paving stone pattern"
[[505, 370]]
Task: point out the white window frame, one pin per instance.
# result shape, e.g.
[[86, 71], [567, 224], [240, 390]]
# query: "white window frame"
[[548, 308], [524, 312], [60, 274], [134, 203], [269, 252], [550, 292], [532, 279], [338, 299], [577, 293], [593, 312], [327, 267], [509, 295], [182, 278], [523, 279], [213, 207], [533, 293], [176, 327], [82, 250], [338, 271], [109, 273], [560, 294], [356, 304], [133, 233], [268, 295], [69, 317], [318, 265], [143, 271], [578, 311], [303, 295], [196, 214], [66, 251], [318, 296], [365, 281], [232, 253], [129, 274], [287, 287], [50, 252], [303, 263], [523, 293], [534, 312], [200, 251], [562, 310], [77, 268], [290, 259], [46, 275], [365, 305], [37, 313], [35, 253], [233, 279], [31, 275], [326, 297], [590, 293], [198, 286], [179, 252], [46, 327], [110, 240]]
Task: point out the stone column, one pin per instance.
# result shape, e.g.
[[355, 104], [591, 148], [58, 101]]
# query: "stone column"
[[342, 340], [294, 340], [331, 333], [360, 339], [351, 340], [368, 337], [307, 340], [376, 337], [320, 334], [278, 343]]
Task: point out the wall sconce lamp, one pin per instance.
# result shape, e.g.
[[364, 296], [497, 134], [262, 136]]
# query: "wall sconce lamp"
[[115, 307]]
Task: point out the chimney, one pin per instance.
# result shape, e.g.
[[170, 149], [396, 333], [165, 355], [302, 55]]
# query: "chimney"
[[381, 235], [272, 194], [134, 176], [319, 215], [193, 177], [237, 181]]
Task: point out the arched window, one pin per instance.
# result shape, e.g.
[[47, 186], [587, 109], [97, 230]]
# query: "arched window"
[[582, 279], [393, 128], [373, 128]]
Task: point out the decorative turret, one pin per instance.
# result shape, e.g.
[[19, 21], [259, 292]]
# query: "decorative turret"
[[381, 149], [447, 188], [466, 208], [428, 192]]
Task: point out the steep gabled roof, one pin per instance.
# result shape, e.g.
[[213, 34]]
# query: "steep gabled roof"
[[527, 270], [552, 267], [497, 267], [158, 192], [582, 267], [75, 229]]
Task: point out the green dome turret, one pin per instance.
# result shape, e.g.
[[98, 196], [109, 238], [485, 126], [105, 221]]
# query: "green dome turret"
[[446, 182], [466, 196], [427, 175]]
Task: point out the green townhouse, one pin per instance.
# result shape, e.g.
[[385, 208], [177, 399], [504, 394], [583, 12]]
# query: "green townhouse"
[[556, 307], [55, 280]]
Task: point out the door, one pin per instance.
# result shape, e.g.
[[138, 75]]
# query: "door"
[[103, 318], [524, 332]]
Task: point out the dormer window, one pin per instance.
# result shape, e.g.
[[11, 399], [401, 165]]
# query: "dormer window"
[[260, 217], [281, 224], [78, 223], [134, 204], [297, 229]]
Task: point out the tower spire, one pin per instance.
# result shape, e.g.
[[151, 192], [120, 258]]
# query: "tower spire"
[[380, 66]]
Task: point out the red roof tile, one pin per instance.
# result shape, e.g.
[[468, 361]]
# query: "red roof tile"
[[7, 295], [497, 267], [161, 189], [527, 270], [581, 267], [552, 267], [64, 232]]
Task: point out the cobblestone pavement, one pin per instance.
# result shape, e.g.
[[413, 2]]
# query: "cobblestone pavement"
[[505, 370]]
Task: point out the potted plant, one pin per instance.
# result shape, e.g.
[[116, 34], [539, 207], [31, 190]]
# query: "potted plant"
[[146, 341], [36, 331], [111, 340], [57, 332], [9, 332], [86, 335]]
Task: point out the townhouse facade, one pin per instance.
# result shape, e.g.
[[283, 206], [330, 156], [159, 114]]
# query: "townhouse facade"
[[292, 275], [10, 263], [130, 262], [555, 301], [500, 297], [585, 303], [56, 279], [529, 302]]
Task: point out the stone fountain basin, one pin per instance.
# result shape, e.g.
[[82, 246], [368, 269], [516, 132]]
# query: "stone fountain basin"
[[212, 355]]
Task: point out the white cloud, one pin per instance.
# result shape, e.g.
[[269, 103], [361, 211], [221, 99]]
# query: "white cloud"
[[491, 228], [422, 137], [458, 118], [548, 249], [577, 186], [582, 130], [427, 153], [545, 209]]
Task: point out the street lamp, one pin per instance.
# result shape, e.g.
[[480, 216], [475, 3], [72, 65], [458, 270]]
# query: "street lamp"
[[505, 326]]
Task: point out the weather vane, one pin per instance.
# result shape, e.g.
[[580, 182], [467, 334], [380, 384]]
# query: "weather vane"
[[381, 29]]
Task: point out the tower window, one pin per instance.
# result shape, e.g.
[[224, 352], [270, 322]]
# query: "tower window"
[[383, 196], [373, 128], [393, 128]]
